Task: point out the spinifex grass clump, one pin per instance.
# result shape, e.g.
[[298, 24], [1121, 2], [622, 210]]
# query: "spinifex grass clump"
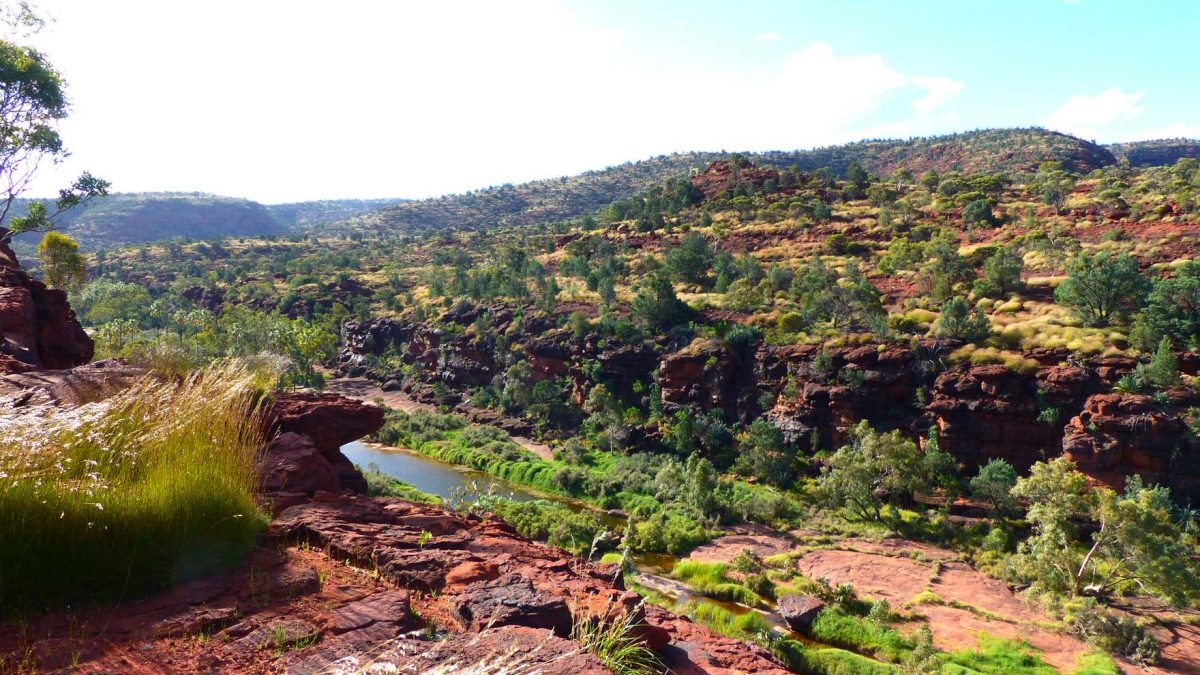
[[114, 499]]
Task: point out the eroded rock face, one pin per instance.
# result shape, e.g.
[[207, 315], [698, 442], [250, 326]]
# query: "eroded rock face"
[[327, 422], [84, 384], [511, 600], [481, 573], [38, 329], [293, 465], [1116, 435]]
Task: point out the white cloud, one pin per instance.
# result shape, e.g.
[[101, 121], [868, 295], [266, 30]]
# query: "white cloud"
[[282, 101], [1087, 116], [939, 90], [768, 37]]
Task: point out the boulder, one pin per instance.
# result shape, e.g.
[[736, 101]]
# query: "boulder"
[[800, 611], [510, 600], [292, 464]]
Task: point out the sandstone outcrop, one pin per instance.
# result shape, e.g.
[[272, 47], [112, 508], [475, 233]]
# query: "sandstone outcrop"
[[800, 611], [1118, 434], [38, 329], [306, 432]]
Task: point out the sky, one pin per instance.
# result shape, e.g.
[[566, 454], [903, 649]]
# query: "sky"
[[289, 101]]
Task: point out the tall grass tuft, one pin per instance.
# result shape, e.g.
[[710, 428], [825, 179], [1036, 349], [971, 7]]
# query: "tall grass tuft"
[[617, 643], [112, 500]]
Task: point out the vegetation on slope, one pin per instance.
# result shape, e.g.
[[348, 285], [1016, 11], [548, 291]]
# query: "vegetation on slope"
[[543, 201]]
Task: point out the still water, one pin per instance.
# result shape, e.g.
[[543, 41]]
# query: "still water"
[[431, 475]]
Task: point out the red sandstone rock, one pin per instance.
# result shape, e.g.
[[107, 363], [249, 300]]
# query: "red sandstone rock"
[[293, 464], [37, 326], [510, 600], [330, 420], [1116, 435], [800, 611], [721, 176]]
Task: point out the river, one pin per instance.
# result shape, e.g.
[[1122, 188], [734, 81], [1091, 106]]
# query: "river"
[[447, 480]]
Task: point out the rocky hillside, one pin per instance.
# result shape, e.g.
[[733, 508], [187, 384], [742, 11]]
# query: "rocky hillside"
[[1058, 406], [1163, 152], [984, 151], [567, 197]]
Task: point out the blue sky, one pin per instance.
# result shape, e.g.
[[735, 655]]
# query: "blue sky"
[[282, 101]]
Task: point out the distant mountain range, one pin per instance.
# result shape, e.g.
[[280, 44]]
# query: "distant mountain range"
[[130, 218]]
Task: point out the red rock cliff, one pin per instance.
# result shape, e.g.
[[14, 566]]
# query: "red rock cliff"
[[38, 329]]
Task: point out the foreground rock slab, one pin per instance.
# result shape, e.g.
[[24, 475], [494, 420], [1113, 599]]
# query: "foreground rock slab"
[[347, 581]]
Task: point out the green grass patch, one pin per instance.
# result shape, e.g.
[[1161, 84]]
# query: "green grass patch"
[[1096, 662], [828, 661], [713, 580], [747, 625], [112, 500], [836, 627], [994, 655]]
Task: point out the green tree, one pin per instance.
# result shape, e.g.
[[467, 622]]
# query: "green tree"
[[1102, 288], [62, 265], [700, 485], [105, 300], [944, 267], [960, 322], [657, 306], [1172, 310], [858, 176], [765, 455], [690, 261], [994, 484], [1163, 370], [873, 469], [1001, 274], [1057, 495], [979, 212], [853, 302], [32, 102], [1135, 542]]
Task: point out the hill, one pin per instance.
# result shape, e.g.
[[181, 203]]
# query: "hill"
[[299, 215], [567, 197], [130, 218], [984, 151], [1161, 152]]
